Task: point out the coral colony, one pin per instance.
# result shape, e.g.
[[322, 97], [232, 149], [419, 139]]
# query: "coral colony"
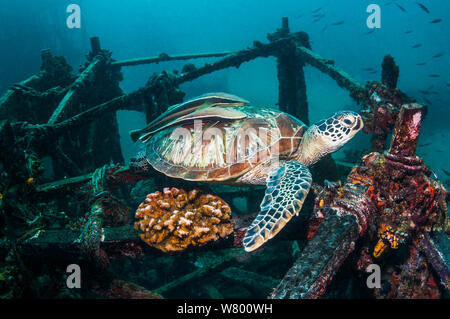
[[174, 219]]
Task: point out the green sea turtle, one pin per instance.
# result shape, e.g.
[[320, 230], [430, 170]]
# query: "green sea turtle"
[[220, 138]]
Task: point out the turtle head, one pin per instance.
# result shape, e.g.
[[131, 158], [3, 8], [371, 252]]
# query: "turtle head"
[[339, 128], [329, 135]]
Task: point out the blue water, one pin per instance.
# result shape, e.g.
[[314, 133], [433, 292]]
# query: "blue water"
[[146, 28]]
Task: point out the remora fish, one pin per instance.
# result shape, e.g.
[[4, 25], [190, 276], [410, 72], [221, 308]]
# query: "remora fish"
[[180, 113]]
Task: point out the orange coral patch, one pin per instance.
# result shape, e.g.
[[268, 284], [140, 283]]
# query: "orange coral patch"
[[173, 219]]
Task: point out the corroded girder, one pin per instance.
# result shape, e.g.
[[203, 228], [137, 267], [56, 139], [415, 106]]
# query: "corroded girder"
[[320, 259], [71, 97], [342, 78], [165, 57], [334, 240]]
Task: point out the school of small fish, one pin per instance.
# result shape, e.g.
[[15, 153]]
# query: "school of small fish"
[[318, 14]]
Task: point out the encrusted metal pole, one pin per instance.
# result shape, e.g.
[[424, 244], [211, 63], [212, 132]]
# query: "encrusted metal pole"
[[46, 56], [383, 104], [71, 98], [333, 241], [406, 131], [95, 45], [436, 247], [390, 72], [291, 78]]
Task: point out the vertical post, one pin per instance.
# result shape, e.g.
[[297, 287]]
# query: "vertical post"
[[285, 25], [390, 72], [406, 131], [46, 57], [95, 45], [291, 78]]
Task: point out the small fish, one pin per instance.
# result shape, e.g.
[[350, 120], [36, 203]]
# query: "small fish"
[[421, 63], [427, 100], [436, 21], [338, 22], [438, 55], [408, 31], [448, 84], [415, 46], [425, 144], [434, 92], [299, 16], [370, 31], [446, 172], [368, 69], [319, 18], [316, 15], [325, 27], [424, 92], [373, 72], [388, 3], [423, 7], [400, 7], [434, 75], [317, 10]]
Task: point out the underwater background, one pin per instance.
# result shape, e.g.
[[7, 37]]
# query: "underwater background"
[[144, 28], [148, 27]]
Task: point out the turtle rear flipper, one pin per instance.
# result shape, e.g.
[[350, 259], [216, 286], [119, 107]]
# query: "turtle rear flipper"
[[177, 111], [286, 191]]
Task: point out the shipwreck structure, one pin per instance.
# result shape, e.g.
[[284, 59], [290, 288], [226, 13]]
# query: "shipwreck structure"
[[388, 200]]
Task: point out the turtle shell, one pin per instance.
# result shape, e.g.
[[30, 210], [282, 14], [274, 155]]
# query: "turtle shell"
[[222, 150]]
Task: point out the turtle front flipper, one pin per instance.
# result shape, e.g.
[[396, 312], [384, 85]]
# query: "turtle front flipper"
[[286, 191], [177, 111]]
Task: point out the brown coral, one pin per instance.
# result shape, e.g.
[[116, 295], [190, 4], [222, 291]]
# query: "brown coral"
[[174, 219]]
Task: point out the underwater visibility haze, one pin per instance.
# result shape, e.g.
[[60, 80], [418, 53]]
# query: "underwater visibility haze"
[[224, 149]]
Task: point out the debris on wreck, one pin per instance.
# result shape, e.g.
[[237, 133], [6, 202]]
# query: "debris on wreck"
[[388, 201], [174, 219]]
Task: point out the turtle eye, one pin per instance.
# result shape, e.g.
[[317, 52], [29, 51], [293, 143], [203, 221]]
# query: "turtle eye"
[[348, 122]]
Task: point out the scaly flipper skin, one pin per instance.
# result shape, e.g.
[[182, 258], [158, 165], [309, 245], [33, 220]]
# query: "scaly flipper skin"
[[286, 191]]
